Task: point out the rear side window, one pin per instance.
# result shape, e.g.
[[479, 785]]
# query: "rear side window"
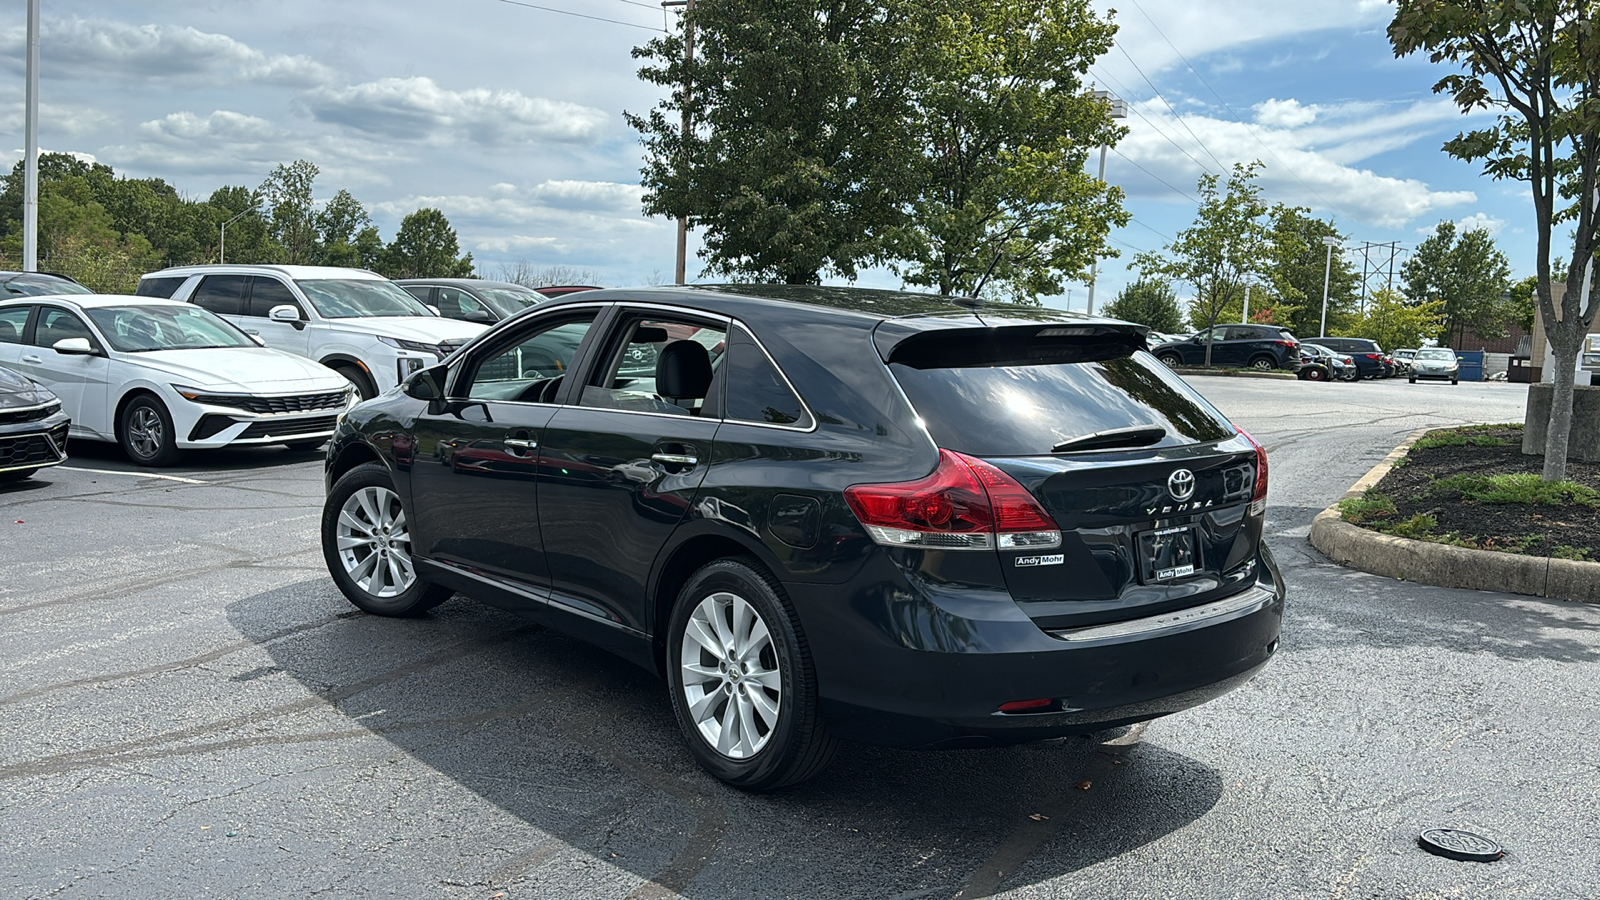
[[160, 287], [1021, 395], [222, 294], [756, 392]]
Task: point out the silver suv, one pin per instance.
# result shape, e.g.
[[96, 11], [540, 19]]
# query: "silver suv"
[[356, 322]]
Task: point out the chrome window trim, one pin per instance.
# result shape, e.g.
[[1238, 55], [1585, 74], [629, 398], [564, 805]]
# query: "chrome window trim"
[[787, 383]]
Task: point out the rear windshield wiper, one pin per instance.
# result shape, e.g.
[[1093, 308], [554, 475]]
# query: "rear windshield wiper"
[[1138, 436]]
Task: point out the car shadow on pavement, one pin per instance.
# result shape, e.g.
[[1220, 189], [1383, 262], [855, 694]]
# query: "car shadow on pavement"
[[583, 747], [103, 455]]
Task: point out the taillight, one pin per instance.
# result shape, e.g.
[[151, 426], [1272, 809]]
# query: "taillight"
[[1286, 343], [1373, 356], [1258, 500], [965, 504]]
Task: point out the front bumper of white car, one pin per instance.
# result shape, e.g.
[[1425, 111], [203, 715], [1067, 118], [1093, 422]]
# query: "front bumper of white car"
[[212, 419]]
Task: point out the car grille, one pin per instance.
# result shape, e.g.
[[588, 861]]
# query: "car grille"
[[34, 414], [289, 427], [268, 405], [43, 449]]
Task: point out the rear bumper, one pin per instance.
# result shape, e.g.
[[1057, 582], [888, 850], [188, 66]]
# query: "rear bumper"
[[937, 680]]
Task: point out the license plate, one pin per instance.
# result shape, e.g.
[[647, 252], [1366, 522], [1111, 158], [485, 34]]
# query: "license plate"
[[1168, 553]]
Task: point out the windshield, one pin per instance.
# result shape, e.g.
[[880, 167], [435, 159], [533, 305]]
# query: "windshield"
[[339, 298], [508, 301], [1437, 354], [141, 329], [40, 285]]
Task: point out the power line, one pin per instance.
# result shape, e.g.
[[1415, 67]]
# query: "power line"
[[1153, 126], [1155, 176], [1248, 127], [568, 12], [1149, 229], [1170, 107]]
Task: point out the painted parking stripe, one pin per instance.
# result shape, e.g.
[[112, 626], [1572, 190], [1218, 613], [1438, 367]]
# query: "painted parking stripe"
[[134, 474]]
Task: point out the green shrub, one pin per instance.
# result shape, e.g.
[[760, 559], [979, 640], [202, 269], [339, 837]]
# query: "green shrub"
[[1566, 551], [1419, 527], [1366, 510], [1520, 487]]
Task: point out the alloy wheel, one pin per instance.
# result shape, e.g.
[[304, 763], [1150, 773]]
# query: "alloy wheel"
[[374, 542], [145, 433], [731, 679]]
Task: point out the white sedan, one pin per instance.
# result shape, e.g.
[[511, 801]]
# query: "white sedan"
[[160, 377]]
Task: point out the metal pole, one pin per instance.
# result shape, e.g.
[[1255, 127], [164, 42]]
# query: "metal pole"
[[1246, 317], [680, 270], [1327, 269], [1094, 263], [30, 166]]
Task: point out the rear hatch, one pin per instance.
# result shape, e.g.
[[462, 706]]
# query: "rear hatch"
[[1152, 488]]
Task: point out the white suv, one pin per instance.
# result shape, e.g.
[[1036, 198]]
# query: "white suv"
[[357, 323]]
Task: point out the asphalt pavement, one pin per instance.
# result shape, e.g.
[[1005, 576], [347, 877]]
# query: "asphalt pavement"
[[189, 708]]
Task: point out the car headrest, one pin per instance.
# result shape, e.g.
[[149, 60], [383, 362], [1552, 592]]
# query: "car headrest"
[[683, 371]]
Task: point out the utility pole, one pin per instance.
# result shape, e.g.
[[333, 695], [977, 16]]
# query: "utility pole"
[[1246, 317], [30, 165], [1330, 242], [1119, 110], [681, 269]]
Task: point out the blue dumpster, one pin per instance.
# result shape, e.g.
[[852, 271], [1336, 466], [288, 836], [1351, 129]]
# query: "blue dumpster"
[[1471, 365]]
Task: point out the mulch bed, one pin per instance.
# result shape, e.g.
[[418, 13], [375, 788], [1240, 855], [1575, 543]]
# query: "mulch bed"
[[1532, 529]]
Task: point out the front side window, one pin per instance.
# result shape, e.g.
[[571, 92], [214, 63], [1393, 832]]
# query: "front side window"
[[265, 293], [221, 294], [356, 298], [659, 365], [756, 391], [455, 303], [532, 368], [142, 329], [58, 324], [13, 320]]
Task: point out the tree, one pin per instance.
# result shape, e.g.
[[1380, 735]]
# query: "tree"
[[1393, 321], [1148, 301], [799, 109], [1001, 129], [527, 274], [426, 247], [1536, 64], [338, 222], [1227, 242], [1296, 263], [1469, 275], [287, 193], [1525, 302]]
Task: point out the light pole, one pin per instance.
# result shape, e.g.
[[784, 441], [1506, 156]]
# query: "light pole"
[[30, 165], [680, 269], [1119, 110], [222, 241], [1327, 268]]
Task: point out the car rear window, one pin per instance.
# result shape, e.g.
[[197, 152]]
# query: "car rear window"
[[996, 394]]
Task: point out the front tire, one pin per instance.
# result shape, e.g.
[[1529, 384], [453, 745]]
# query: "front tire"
[[366, 542], [1316, 375], [359, 379], [1171, 360], [145, 431], [743, 686]]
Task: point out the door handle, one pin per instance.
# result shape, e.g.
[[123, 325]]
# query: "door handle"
[[521, 443], [32, 359], [675, 459]]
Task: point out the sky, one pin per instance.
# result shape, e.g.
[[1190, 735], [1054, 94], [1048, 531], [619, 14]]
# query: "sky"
[[509, 117]]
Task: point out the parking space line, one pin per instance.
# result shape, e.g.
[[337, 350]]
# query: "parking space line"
[[134, 474]]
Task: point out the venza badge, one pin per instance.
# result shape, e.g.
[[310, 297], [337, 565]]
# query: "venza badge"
[[1180, 484]]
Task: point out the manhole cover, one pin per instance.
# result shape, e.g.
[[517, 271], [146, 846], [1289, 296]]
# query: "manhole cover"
[[1463, 845]]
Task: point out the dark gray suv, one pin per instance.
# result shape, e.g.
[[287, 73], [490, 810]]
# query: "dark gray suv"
[[1255, 346]]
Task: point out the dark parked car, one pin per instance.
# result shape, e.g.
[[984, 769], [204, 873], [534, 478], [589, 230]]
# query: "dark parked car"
[[826, 513], [472, 299], [33, 429], [1368, 356], [1256, 346], [37, 284]]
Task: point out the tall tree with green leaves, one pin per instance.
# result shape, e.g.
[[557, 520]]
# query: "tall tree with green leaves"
[[1468, 274], [794, 166], [338, 223], [1229, 242], [426, 247], [290, 211], [1296, 263], [1002, 126], [1536, 65], [1148, 301]]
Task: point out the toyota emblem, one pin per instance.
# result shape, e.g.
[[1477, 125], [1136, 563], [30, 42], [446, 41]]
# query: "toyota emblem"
[[1180, 484]]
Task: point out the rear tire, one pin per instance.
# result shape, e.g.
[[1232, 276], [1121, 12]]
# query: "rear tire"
[[744, 689], [1263, 363], [1315, 375], [363, 382], [1171, 360], [366, 542], [145, 431]]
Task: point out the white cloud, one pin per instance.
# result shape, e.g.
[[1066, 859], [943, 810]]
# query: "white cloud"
[[1480, 222], [1285, 113], [420, 110], [90, 49]]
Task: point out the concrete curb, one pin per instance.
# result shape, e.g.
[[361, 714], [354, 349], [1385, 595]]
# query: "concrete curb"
[[1441, 564], [1232, 373]]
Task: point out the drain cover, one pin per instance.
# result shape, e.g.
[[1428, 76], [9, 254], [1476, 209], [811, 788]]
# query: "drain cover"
[[1463, 845]]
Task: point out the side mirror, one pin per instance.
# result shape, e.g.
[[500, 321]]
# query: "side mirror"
[[258, 340], [482, 316], [73, 347], [433, 309], [284, 313], [427, 384]]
